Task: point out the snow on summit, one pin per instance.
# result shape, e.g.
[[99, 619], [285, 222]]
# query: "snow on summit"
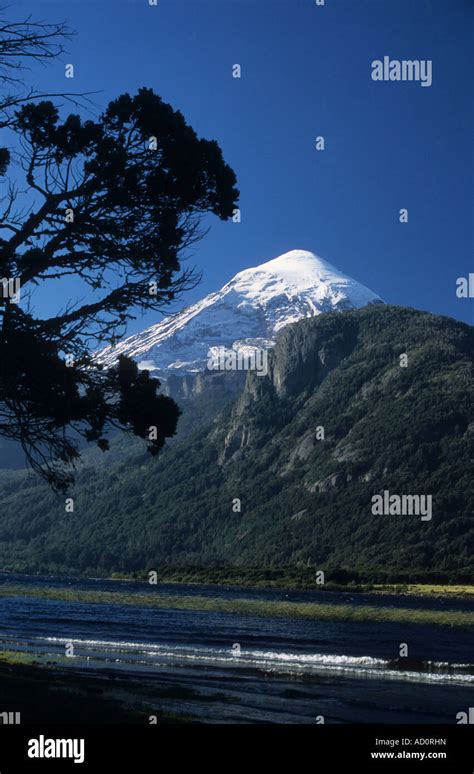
[[300, 276], [245, 313]]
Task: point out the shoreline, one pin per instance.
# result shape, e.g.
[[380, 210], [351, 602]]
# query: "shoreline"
[[286, 583], [40, 689]]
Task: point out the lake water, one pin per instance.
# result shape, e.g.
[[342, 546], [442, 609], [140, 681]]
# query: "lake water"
[[221, 667]]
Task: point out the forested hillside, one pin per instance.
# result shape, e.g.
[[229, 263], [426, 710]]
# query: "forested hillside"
[[285, 475]]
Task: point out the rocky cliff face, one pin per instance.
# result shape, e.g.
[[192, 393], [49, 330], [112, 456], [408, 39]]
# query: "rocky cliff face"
[[305, 355]]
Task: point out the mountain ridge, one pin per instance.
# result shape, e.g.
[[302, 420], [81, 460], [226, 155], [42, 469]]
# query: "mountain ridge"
[[304, 500]]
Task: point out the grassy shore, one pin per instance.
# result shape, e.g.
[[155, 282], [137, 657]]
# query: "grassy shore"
[[288, 578], [299, 579], [253, 607], [438, 590]]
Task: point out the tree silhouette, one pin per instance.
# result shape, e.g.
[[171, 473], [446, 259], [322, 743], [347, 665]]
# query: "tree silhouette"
[[113, 202], [21, 43]]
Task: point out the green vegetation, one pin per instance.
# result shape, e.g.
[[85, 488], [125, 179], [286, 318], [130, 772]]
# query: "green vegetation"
[[293, 578], [454, 590], [17, 657], [305, 503], [253, 607]]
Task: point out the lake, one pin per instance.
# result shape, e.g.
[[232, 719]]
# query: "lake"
[[225, 667]]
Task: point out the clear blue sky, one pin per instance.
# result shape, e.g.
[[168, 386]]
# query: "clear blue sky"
[[305, 72]]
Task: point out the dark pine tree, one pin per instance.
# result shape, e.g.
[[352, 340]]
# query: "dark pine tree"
[[115, 202]]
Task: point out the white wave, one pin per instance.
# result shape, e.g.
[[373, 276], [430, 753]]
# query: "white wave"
[[265, 660]]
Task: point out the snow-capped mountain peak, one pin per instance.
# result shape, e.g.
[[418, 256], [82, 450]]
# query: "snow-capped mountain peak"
[[246, 313]]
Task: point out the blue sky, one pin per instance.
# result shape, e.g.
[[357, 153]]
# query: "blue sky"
[[306, 71]]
